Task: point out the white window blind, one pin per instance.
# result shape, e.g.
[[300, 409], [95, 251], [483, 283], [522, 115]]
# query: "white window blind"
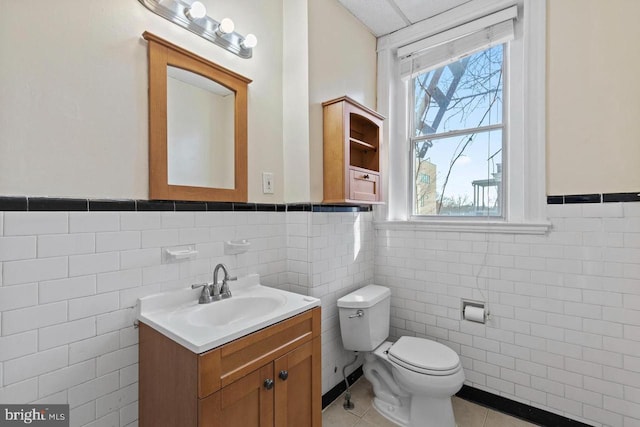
[[449, 46]]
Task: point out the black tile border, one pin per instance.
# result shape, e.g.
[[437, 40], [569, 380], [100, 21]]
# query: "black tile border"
[[14, 204], [340, 388], [112, 205], [621, 197], [516, 409], [55, 204], [23, 203], [593, 198]]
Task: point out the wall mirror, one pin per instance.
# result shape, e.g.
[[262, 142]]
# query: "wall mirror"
[[197, 127]]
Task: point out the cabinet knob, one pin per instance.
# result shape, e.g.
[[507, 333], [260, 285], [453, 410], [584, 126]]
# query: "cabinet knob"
[[268, 383], [283, 375], [366, 176]]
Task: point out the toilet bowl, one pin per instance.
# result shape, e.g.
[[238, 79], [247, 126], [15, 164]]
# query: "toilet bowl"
[[413, 379]]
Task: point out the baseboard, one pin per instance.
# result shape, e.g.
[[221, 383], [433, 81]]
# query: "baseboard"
[[340, 388], [516, 409], [481, 397]]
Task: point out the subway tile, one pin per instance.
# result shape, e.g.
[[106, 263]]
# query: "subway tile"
[[93, 305], [160, 238], [65, 333], [82, 415], [93, 389], [19, 393], [35, 223], [140, 258], [129, 414], [92, 222], [66, 244], [18, 296], [35, 364], [65, 378], [123, 279], [117, 360], [115, 320], [17, 248], [134, 221], [27, 319], [116, 400], [18, 345], [80, 265], [117, 241], [65, 289], [34, 270], [93, 347]]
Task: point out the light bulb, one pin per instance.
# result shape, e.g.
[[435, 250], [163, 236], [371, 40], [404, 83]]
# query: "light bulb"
[[249, 42], [196, 11], [226, 26]]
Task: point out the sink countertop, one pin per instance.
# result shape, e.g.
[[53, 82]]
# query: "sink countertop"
[[202, 327]]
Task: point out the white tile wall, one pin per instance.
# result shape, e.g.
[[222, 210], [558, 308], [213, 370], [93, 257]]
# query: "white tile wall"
[[564, 332], [69, 282]]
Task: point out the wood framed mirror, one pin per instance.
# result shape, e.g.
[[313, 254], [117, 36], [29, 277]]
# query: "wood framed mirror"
[[197, 127]]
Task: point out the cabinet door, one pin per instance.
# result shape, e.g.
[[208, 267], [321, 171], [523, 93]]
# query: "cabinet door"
[[298, 400], [247, 402]]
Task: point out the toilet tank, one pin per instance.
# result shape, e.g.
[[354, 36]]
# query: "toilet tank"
[[367, 331]]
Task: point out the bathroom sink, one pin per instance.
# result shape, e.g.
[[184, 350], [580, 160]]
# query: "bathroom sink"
[[228, 311], [201, 327]]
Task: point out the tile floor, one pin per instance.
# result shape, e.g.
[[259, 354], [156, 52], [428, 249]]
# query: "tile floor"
[[364, 415]]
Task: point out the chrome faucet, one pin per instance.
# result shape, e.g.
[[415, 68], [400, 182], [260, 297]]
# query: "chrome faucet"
[[223, 291], [205, 295]]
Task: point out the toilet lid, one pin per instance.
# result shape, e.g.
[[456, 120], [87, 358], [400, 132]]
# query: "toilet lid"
[[424, 356]]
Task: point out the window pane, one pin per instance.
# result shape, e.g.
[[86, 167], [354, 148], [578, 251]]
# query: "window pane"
[[460, 175], [462, 95]]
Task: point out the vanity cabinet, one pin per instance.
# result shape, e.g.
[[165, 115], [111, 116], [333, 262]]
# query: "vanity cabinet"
[[271, 377], [352, 137]]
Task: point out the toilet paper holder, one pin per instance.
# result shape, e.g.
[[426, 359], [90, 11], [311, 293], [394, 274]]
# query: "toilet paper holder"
[[474, 311]]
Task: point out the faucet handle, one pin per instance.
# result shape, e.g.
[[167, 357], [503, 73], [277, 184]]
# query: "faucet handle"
[[205, 295]]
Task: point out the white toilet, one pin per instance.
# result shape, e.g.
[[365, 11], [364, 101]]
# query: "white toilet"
[[414, 378]]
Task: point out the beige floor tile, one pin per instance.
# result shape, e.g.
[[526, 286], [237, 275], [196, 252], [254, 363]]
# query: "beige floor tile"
[[468, 414], [498, 419], [335, 416], [361, 397], [373, 417]]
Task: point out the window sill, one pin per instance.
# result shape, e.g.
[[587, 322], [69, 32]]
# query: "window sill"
[[498, 227]]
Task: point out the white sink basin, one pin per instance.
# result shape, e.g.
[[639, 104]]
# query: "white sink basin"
[[201, 327]]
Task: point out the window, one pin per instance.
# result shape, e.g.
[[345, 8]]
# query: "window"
[[464, 94], [457, 136]]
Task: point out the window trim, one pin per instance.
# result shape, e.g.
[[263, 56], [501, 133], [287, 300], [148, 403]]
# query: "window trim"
[[525, 166]]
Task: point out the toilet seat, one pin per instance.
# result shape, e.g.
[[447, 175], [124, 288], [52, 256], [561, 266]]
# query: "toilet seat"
[[424, 356]]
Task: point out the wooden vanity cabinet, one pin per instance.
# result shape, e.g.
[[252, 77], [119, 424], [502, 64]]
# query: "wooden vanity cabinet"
[[352, 137], [271, 377]]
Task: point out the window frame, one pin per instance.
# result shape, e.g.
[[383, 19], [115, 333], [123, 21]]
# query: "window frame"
[[524, 171], [410, 99]]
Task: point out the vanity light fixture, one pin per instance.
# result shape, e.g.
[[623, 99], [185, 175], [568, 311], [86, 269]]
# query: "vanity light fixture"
[[195, 11], [192, 15], [249, 42]]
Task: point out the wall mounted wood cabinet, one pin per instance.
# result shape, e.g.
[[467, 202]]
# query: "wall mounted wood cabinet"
[[352, 137], [271, 377]]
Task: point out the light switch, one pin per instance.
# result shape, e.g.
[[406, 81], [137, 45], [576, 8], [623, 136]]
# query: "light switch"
[[267, 182]]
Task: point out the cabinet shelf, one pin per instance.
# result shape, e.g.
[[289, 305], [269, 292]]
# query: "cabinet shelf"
[[356, 143]]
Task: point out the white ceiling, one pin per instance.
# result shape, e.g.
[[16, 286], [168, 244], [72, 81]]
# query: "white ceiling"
[[386, 16]]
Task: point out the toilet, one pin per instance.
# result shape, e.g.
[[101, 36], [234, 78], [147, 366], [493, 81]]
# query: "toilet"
[[413, 379]]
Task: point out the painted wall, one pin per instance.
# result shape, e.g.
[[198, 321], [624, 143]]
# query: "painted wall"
[[342, 61], [73, 94], [593, 105]]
